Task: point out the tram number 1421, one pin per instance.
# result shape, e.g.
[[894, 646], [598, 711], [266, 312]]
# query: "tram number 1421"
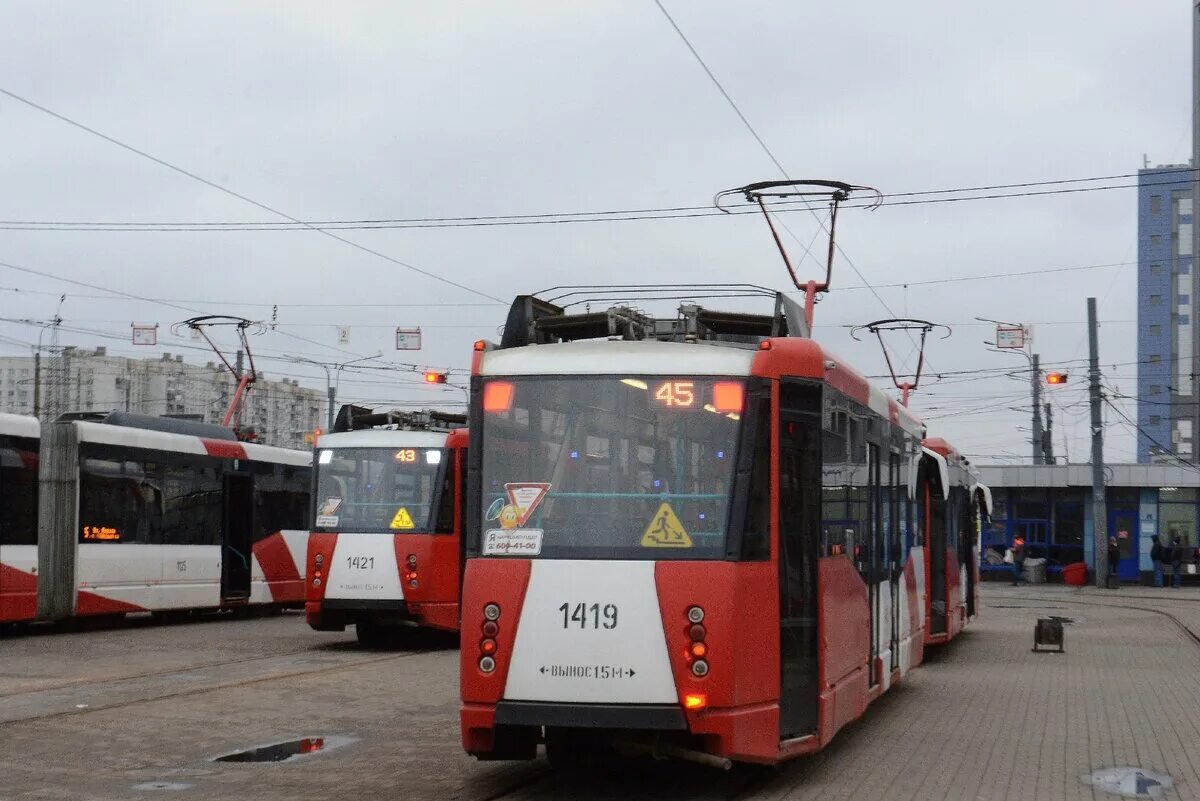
[[360, 562], [583, 614]]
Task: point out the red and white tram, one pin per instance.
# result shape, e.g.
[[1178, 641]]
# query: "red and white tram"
[[108, 514], [694, 536], [385, 549]]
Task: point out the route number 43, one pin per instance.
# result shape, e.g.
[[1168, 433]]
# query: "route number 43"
[[594, 615]]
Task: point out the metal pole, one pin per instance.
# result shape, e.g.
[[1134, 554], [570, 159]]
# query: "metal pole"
[[1195, 243], [329, 390], [1035, 386], [37, 384], [1099, 508], [1048, 436]]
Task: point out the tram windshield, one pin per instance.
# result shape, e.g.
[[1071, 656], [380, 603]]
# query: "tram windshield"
[[612, 467], [377, 490]]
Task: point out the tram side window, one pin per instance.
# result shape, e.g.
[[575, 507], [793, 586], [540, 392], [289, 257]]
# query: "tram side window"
[[191, 505], [444, 522], [18, 490], [281, 499], [835, 518], [756, 536], [120, 501]]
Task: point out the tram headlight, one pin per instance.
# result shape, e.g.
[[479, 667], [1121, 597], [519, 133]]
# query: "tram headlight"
[[487, 664], [491, 611], [316, 582], [412, 561], [699, 668], [695, 614], [319, 559]]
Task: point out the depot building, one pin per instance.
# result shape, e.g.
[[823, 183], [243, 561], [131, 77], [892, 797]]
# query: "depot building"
[[1050, 507]]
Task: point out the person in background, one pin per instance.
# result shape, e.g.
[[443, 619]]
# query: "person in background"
[[1156, 556], [1114, 557], [1018, 561], [1176, 560]]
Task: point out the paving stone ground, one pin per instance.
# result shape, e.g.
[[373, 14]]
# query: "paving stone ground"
[[985, 719]]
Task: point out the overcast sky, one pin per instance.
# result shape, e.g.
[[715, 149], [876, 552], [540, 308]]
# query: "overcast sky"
[[401, 110]]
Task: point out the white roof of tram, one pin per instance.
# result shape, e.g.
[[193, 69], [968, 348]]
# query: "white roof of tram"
[[383, 438], [19, 425], [647, 357]]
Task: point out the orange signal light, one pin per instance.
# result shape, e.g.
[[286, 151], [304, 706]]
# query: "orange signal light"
[[728, 396], [699, 650], [481, 344], [498, 396], [1056, 378], [695, 701], [434, 377]]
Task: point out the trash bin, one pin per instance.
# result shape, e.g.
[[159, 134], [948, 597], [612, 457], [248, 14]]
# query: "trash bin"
[[1035, 570], [1075, 574]]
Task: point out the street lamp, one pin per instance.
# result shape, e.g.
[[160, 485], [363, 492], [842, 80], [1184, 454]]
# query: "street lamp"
[[1035, 387], [333, 380]]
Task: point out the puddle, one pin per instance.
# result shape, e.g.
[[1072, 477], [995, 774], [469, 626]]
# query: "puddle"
[[162, 786], [1129, 782], [285, 751]]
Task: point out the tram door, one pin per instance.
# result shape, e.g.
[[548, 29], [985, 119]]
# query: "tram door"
[[972, 523], [237, 537], [935, 521], [893, 494], [799, 522]]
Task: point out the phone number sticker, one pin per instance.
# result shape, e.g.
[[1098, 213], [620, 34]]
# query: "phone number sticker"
[[512, 542]]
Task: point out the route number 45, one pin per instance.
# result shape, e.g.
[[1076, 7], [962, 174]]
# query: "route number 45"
[[676, 393], [584, 615]]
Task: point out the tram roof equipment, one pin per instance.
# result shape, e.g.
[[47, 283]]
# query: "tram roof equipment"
[[357, 418], [539, 320]]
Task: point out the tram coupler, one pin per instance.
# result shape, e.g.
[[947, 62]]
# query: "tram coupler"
[[666, 750]]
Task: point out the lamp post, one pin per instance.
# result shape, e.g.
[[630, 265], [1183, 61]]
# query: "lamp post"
[[1035, 387], [333, 379]]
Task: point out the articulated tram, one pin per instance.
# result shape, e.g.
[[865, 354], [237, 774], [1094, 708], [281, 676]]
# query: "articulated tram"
[[700, 536], [385, 549], [109, 514]]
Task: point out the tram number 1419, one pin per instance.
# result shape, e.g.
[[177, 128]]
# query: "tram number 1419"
[[583, 615]]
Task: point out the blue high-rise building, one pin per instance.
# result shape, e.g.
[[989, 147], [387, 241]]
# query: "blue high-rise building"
[[1168, 397]]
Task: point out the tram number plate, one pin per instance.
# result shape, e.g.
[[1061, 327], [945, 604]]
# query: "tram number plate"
[[360, 562], [584, 615]]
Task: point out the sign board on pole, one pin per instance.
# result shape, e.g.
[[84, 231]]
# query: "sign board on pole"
[[408, 338], [1011, 336], [145, 333], [343, 332]]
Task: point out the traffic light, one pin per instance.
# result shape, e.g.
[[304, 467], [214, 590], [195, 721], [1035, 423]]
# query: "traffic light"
[[1056, 378], [434, 377]]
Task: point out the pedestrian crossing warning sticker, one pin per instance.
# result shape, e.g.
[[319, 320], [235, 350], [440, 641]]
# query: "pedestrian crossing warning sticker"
[[403, 519], [665, 530]]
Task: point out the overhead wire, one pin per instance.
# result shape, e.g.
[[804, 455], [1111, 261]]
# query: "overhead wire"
[[245, 198]]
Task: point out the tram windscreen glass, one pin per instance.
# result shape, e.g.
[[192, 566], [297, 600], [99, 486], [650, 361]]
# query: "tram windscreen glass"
[[635, 467], [376, 490]]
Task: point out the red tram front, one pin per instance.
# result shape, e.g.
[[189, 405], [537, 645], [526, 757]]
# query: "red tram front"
[[691, 538], [385, 550]]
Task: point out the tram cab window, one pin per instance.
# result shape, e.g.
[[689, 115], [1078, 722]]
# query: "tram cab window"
[[18, 490], [638, 467], [367, 490]]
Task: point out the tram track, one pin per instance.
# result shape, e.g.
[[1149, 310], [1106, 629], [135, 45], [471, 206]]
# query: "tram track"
[[194, 691], [1191, 635], [67, 685]]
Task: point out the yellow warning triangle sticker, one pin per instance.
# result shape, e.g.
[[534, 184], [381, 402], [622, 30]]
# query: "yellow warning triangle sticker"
[[402, 519], [665, 530]]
